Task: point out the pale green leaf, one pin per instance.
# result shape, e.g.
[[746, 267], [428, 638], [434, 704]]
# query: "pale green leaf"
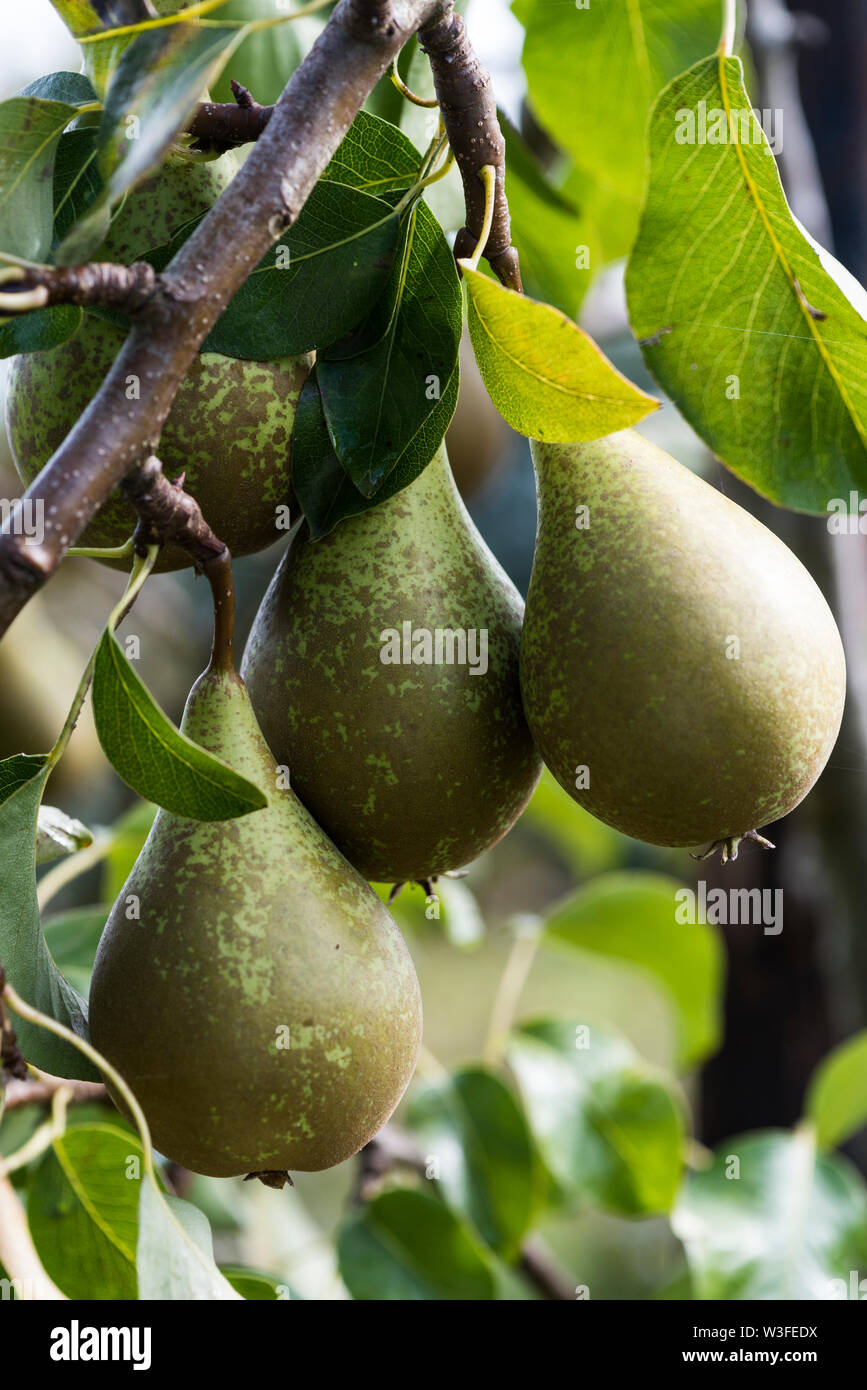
[[837, 1099]]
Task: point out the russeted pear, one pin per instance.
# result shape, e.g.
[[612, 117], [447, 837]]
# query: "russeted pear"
[[230, 427], [383, 667], [682, 674], [249, 985]]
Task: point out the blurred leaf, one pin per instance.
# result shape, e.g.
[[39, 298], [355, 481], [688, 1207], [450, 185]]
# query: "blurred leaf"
[[456, 910], [77, 183], [569, 49], [739, 320], [384, 404], [406, 1246], [173, 1256], [72, 939], [472, 1127], [90, 16], [154, 89], [155, 758], [252, 1285], [631, 917], [74, 88], [586, 844], [44, 328], [267, 58], [546, 377], [30, 128], [769, 1219], [59, 835], [549, 230], [82, 1211], [128, 837], [23, 951], [607, 1123], [837, 1099]]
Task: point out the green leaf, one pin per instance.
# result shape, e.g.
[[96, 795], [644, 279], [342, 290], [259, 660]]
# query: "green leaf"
[[473, 1129], [74, 88], [173, 1256], [252, 1285], [343, 240], [77, 183], [90, 16], [607, 1123], [631, 917], [72, 939], [45, 328], [23, 951], [128, 837], [570, 50], [739, 321], [155, 87], [374, 156], [58, 835], [155, 758], [585, 844], [82, 1211], [837, 1099], [30, 128], [546, 377], [406, 1246], [769, 1219], [384, 402], [558, 244], [267, 58]]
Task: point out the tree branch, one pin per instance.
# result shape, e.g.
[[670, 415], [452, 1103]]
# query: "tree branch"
[[115, 435], [20, 1093], [99, 283], [469, 110]]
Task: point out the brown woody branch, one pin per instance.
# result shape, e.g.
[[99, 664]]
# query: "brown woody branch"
[[99, 283], [11, 1061], [19, 1093], [218, 125], [469, 110]]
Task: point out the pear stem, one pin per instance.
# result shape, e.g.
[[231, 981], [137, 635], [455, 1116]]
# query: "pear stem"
[[219, 575]]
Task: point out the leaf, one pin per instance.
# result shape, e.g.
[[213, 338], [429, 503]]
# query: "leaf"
[[72, 938], [740, 322], [82, 1211], [23, 951], [546, 377], [173, 1254], [585, 844], [89, 16], [406, 1246], [837, 1099], [471, 1125], [631, 917], [128, 837], [607, 1123], [252, 1285], [155, 87], [58, 835], [74, 88], [550, 232], [45, 328], [343, 238], [384, 404], [267, 58], [30, 128], [322, 487], [155, 758], [569, 50], [374, 156], [769, 1219], [77, 183]]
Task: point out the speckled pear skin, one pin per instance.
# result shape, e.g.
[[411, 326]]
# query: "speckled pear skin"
[[249, 927], [230, 428], [411, 769], [624, 665]]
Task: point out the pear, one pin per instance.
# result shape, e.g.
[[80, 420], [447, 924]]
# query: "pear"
[[250, 987], [412, 763], [230, 427], [682, 673]]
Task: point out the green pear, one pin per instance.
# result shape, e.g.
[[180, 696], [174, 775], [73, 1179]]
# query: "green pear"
[[682, 673], [230, 427], [249, 986], [412, 763]]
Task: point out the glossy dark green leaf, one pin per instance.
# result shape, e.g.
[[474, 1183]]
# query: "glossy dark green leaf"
[[608, 1124], [82, 1211], [407, 1246], [632, 917], [155, 758], [77, 183], [772, 1219], [23, 951], [755, 333], [384, 405], [74, 88], [374, 156], [476, 1140], [45, 328]]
